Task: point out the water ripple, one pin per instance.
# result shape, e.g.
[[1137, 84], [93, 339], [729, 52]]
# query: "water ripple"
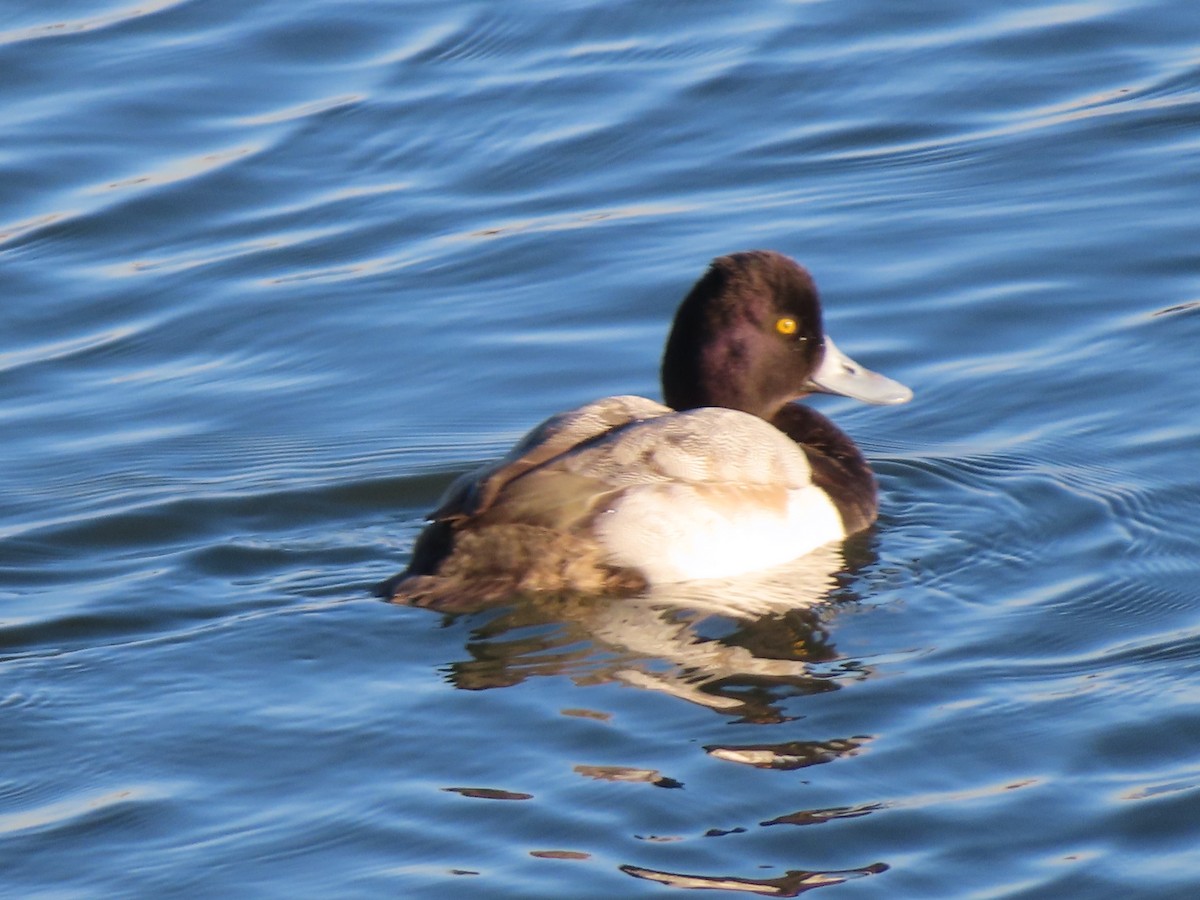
[[71, 27]]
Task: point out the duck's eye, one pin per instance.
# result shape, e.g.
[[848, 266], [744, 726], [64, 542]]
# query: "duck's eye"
[[786, 325]]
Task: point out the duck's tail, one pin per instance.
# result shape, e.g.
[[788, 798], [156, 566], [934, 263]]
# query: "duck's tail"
[[456, 571]]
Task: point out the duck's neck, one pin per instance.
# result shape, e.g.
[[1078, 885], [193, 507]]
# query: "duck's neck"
[[838, 465]]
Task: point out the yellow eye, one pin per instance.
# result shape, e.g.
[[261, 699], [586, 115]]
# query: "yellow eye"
[[786, 325]]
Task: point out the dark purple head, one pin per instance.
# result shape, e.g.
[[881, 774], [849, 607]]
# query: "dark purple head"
[[749, 336]]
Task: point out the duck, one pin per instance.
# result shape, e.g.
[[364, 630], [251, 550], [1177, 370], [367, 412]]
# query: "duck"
[[729, 475]]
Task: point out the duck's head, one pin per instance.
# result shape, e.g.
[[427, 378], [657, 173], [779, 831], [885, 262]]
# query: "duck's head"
[[749, 336]]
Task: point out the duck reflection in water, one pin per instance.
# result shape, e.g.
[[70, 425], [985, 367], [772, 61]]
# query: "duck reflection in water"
[[738, 646]]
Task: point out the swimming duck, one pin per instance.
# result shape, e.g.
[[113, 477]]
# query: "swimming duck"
[[624, 493]]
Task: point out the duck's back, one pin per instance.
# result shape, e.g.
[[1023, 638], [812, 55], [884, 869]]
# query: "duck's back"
[[475, 492]]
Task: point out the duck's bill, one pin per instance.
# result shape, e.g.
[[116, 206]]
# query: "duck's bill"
[[839, 374]]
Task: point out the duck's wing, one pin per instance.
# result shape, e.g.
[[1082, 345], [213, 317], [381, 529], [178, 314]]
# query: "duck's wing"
[[710, 446], [723, 453], [474, 492]]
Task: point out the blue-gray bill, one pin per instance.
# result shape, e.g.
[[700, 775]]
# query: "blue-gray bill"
[[839, 374]]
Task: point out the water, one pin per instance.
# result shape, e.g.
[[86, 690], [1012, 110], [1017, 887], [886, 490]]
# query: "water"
[[274, 273]]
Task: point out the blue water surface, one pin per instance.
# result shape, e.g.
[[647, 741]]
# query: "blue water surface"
[[272, 274]]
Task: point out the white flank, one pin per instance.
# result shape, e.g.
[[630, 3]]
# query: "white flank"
[[674, 532]]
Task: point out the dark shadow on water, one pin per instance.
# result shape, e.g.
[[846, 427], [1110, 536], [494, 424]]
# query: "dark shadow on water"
[[792, 883]]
